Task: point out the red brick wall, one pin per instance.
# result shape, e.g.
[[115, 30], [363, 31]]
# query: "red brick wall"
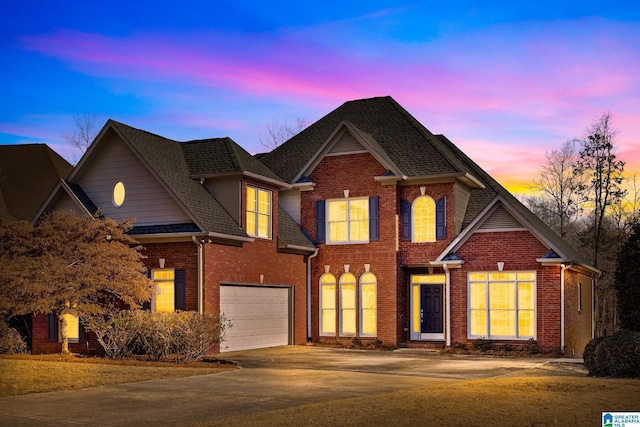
[[40, 340], [356, 173], [518, 250]]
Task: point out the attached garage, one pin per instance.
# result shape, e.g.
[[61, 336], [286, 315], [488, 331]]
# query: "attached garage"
[[261, 316]]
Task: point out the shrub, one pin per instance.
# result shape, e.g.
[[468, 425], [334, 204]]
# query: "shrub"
[[483, 344], [532, 347], [10, 340], [617, 355], [184, 336]]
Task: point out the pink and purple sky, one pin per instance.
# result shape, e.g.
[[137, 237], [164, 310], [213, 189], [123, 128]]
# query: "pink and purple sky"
[[505, 81]]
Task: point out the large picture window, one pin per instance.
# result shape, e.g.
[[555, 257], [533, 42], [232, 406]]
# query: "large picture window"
[[258, 212], [502, 305]]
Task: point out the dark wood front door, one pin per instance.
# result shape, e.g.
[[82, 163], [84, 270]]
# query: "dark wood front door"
[[431, 309]]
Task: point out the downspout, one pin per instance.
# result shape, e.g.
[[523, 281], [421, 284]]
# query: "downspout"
[[200, 267], [563, 267], [447, 307], [315, 254]]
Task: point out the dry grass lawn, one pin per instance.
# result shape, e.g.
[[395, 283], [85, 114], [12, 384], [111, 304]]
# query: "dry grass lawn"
[[511, 401], [24, 374], [563, 396]]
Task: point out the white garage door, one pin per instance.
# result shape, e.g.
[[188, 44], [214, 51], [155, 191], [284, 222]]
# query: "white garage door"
[[260, 316]]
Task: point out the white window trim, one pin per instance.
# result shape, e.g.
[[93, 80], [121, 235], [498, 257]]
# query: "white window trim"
[[327, 222], [361, 308], [339, 306], [254, 233], [321, 331], [413, 220], [488, 309]]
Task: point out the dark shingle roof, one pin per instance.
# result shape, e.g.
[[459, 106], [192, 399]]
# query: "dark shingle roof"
[[219, 156], [82, 197], [407, 143], [165, 158], [289, 232], [28, 173], [410, 147]]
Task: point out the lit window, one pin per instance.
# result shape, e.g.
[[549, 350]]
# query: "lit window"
[[347, 304], [118, 194], [328, 305], [164, 300], [72, 327], [348, 220], [368, 304], [258, 212], [502, 304], [424, 219]]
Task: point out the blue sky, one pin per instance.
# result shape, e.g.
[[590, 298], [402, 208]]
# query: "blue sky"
[[505, 81]]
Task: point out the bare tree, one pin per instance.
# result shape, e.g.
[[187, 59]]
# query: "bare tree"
[[84, 132], [557, 185], [602, 174], [277, 133]]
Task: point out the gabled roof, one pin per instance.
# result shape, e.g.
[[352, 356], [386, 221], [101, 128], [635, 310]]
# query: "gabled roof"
[[396, 138], [165, 159], [222, 156], [28, 173], [410, 146]]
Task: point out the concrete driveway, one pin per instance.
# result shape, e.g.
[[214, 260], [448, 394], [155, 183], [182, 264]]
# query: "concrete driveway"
[[268, 379]]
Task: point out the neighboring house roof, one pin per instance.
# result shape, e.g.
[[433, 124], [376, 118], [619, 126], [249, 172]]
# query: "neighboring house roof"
[[28, 173], [396, 138]]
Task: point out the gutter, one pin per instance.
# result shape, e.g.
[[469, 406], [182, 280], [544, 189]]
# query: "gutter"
[[315, 254], [200, 275]]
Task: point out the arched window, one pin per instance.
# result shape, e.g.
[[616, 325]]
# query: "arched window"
[[327, 304], [348, 306], [368, 305], [424, 219]]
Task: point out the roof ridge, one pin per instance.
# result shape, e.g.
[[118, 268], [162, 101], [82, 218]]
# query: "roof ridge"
[[140, 130]]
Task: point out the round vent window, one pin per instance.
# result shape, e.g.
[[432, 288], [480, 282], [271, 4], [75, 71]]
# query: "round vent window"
[[118, 194]]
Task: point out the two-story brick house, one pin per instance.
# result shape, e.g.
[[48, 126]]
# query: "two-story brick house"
[[419, 246], [363, 227]]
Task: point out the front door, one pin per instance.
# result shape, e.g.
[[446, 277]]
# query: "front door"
[[431, 309]]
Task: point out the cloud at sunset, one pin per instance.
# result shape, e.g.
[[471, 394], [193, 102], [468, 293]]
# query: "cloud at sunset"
[[505, 92]]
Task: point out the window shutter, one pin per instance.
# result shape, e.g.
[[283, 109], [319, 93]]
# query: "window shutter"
[[441, 229], [146, 305], [52, 320], [320, 221], [405, 220], [82, 332], [374, 223], [179, 290]]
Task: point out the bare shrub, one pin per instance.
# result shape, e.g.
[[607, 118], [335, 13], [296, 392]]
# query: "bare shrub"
[[117, 334], [10, 340], [194, 334]]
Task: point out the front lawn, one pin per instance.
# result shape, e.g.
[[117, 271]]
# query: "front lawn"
[[24, 374]]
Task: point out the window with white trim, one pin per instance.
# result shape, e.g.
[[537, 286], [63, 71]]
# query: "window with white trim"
[[327, 305], [424, 219], [368, 305], [348, 220], [348, 306], [170, 290], [502, 304], [258, 218]]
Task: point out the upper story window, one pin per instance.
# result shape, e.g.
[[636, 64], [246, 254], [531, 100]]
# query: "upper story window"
[[349, 220], [258, 212], [424, 219], [118, 194]]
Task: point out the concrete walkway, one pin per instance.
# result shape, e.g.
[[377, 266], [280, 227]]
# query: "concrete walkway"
[[268, 379]]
